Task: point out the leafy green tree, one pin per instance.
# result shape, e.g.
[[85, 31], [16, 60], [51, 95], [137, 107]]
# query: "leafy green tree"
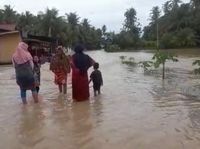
[[167, 7], [73, 28], [130, 23], [160, 58], [50, 22], [104, 29], [26, 22], [178, 27], [9, 15], [129, 37]]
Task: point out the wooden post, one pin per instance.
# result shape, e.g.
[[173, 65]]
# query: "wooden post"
[[163, 73], [157, 36]]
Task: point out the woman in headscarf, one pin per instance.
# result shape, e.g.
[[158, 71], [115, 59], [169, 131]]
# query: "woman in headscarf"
[[80, 65], [60, 66], [23, 63]]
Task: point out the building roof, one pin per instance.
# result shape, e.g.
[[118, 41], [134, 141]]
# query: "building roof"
[[43, 38], [7, 27], [7, 33]]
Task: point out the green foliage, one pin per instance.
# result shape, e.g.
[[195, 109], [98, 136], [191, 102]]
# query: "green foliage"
[[112, 48], [178, 27], [68, 29], [196, 63], [161, 57], [146, 65], [155, 14], [128, 61], [122, 58], [8, 15], [182, 38], [129, 37], [149, 44]]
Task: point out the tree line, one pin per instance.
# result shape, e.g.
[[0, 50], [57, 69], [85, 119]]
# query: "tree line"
[[69, 29], [175, 25], [178, 27]]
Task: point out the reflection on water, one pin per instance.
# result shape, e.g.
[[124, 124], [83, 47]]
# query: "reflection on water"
[[135, 110]]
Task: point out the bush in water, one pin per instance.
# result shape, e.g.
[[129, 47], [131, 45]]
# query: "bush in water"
[[196, 63], [129, 61], [146, 65], [112, 48]]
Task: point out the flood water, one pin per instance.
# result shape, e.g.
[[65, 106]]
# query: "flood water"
[[134, 111]]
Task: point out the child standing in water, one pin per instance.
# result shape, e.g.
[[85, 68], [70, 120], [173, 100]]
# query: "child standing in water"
[[36, 71], [97, 79]]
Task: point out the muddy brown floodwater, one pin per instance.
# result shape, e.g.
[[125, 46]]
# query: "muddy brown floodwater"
[[134, 111]]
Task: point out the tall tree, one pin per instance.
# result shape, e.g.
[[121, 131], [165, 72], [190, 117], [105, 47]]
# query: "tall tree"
[[73, 19], [175, 4], [9, 15], [104, 29], [167, 7], [73, 28], [155, 14], [50, 22], [26, 22], [131, 23]]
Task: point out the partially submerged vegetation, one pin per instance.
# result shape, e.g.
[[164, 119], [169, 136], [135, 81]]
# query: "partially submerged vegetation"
[[159, 59], [196, 63], [128, 61]]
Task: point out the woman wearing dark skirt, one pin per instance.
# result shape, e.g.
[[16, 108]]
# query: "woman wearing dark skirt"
[[23, 63]]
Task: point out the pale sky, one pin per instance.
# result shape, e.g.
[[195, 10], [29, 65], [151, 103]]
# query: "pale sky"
[[99, 12]]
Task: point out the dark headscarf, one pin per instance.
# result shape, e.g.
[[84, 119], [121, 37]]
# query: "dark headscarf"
[[82, 61]]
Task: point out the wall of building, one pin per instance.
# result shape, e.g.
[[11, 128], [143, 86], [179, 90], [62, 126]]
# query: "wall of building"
[[8, 44]]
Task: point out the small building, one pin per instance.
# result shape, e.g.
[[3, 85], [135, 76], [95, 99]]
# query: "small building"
[[41, 46], [8, 43], [7, 28]]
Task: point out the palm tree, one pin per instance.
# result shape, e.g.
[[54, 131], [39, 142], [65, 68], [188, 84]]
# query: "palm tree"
[[86, 24], [9, 15], [25, 22], [73, 28], [73, 19], [51, 23]]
